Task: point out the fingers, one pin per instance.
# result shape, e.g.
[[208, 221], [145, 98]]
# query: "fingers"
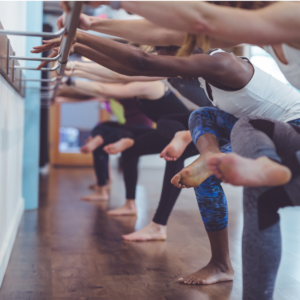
[[48, 44], [44, 63], [68, 73], [40, 49]]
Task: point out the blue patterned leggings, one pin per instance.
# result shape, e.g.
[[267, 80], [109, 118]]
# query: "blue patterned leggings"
[[210, 195]]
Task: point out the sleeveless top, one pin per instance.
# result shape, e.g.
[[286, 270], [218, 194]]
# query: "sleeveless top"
[[168, 104], [291, 71], [133, 115], [264, 96], [191, 90]]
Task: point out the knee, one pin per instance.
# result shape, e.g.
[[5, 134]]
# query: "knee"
[[268, 204], [198, 114], [253, 122]]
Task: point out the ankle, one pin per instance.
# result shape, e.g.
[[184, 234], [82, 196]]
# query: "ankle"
[[224, 264], [130, 203], [158, 227], [128, 141], [212, 151], [100, 188]]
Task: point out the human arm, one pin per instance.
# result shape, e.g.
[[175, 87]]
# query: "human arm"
[[140, 62], [132, 30], [133, 61], [105, 73], [279, 22], [88, 53], [87, 75], [148, 90]]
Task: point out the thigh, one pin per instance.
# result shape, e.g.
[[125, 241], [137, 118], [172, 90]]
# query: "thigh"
[[106, 128], [149, 143], [183, 119], [252, 134], [137, 131]]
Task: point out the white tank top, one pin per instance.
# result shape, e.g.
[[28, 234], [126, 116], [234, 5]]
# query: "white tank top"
[[291, 71], [264, 96]]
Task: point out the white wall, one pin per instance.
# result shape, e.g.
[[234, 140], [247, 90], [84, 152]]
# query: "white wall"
[[11, 155], [13, 17]]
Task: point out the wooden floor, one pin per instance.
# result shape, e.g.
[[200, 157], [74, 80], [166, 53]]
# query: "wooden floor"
[[70, 250]]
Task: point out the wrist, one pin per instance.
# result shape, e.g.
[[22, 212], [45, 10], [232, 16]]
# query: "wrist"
[[96, 23], [75, 47], [77, 36]]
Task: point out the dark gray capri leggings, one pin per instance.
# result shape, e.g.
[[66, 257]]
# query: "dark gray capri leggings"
[[254, 137]]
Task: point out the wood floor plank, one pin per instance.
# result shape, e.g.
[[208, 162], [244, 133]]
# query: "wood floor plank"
[[72, 250]]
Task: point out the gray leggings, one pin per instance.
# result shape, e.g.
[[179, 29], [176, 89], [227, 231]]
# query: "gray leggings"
[[254, 137]]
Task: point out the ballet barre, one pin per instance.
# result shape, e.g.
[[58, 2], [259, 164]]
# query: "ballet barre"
[[67, 34]]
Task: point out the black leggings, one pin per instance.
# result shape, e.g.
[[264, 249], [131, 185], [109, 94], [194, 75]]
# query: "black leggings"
[[152, 143], [111, 132]]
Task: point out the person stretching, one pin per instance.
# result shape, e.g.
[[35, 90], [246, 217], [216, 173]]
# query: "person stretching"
[[154, 101], [221, 70]]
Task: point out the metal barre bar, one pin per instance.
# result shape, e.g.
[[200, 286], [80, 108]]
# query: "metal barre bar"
[[41, 80], [43, 88], [35, 69], [71, 23], [30, 33], [36, 58]]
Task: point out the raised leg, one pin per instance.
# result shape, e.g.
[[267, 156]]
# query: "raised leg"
[[208, 127], [177, 146], [254, 138], [262, 145]]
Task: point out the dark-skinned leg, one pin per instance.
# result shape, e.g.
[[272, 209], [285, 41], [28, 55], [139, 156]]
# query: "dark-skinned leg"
[[214, 212], [219, 268], [213, 207], [208, 127], [195, 173]]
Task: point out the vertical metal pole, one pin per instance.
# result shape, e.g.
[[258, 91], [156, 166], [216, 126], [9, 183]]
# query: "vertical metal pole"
[[8, 59], [71, 24], [13, 69]]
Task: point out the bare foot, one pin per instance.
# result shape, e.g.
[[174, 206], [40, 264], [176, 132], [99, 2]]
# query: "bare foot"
[[152, 232], [128, 209], [177, 146], [119, 146], [194, 174], [92, 186], [238, 170], [100, 194], [92, 144], [212, 273]]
